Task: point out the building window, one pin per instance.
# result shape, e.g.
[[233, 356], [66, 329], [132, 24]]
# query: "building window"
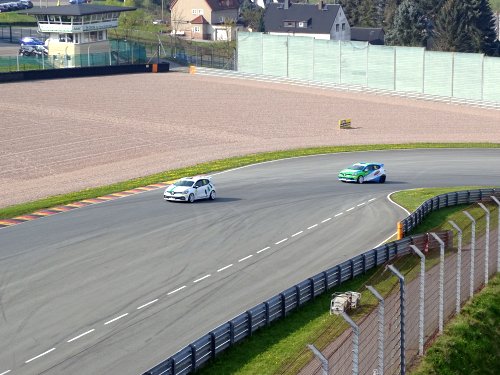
[[196, 29], [289, 24], [77, 38], [302, 24], [194, 11], [62, 37], [100, 35], [343, 27], [337, 27], [200, 11]]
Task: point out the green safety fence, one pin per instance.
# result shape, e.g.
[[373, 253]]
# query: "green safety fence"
[[467, 76]]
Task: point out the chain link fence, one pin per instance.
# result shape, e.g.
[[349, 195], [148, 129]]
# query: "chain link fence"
[[441, 273]]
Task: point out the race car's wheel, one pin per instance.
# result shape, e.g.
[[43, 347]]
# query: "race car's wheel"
[[191, 198], [361, 179], [382, 179], [212, 195]]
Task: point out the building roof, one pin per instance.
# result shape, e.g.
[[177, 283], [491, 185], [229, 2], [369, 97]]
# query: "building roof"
[[215, 4], [200, 20], [76, 10], [373, 35], [318, 21]]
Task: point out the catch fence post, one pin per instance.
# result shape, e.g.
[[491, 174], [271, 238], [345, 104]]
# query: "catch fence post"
[[441, 281], [459, 265], [421, 300], [487, 245], [381, 312], [472, 251], [498, 239], [402, 313], [355, 343], [321, 357]]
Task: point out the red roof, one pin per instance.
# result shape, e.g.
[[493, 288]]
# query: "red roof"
[[200, 20]]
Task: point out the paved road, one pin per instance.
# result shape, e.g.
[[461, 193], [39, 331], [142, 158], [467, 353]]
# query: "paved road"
[[119, 286]]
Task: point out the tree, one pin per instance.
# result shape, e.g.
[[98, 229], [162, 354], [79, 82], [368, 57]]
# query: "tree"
[[367, 14], [451, 30], [409, 27], [390, 9], [252, 15], [466, 26]]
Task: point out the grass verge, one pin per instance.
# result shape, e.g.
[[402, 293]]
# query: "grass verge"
[[215, 166], [470, 343]]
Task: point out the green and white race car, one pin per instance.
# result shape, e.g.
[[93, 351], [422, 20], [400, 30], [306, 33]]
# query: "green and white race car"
[[363, 172]]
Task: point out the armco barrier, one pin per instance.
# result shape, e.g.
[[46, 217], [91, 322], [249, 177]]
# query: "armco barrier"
[[442, 201], [207, 347], [29, 75]]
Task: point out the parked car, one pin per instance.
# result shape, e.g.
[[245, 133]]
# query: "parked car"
[[30, 41], [189, 189], [36, 51], [79, 1], [363, 172]]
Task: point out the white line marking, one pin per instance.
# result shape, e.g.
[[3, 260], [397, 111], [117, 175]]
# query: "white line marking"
[[115, 319], [324, 221], [371, 200], [296, 234], [176, 290], [339, 214], [387, 239], [361, 204], [147, 304], [83, 334], [223, 268], [312, 226], [40, 355], [245, 258], [349, 209], [283, 240], [202, 278], [264, 249], [5, 372]]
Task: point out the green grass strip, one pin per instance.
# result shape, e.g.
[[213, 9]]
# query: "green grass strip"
[[470, 343], [216, 166]]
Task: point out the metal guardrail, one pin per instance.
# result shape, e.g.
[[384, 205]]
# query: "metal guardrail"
[[199, 352], [442, 201]]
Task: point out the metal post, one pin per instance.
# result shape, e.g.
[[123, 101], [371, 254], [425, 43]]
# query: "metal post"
[[498, 239], [381, 312], [421, 300], [487, 245], [441, 281], [459, 265], [402, 297], [355, 343], [321, 357], [472, 251], [17, 59], [88, 56]]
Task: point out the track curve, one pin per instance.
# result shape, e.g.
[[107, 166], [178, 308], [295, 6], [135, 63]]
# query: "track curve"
[[117, 287]]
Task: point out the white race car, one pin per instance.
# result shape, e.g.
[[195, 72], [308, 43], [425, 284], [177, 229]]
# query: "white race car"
[[189, 189]]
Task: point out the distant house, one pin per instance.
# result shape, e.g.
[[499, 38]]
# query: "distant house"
[[319, 21], [204, 19], [372, 35]]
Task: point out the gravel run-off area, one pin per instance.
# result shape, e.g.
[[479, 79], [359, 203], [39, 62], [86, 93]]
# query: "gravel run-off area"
[[58, 136]]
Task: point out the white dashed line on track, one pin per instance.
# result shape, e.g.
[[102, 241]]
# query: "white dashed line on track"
[[264, 249], [115, 319], [81, 335], [296, 234], [147, 304], [361, 204], [283, 240], [40, 355], [349, 209], [224, 268], [324, 221], [245, 258], [371, 200], [201, 278], [339, 214], [5, 372], [176, 290], [312, 226]]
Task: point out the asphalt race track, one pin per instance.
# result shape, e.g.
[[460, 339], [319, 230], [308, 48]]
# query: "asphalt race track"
[[119, 286]]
